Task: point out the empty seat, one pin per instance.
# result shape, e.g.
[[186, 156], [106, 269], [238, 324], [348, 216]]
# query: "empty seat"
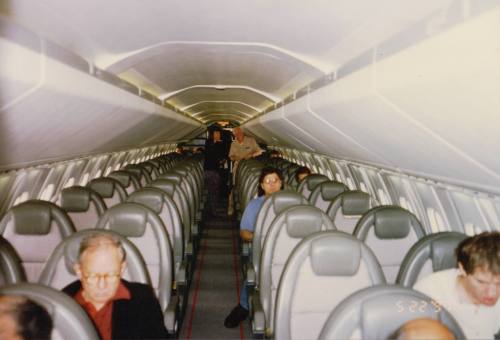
[[11, 268], [309, 183], [376, 312], [286, 231], [323, 269], [389, 231], [140, 172], [146, 230], [110, 189], [129, 180], [271, 208], [69, 319], [83, 205], [162, 204], [430, 254], [35, 228], [58, 272], [348, 207], [324, 193]]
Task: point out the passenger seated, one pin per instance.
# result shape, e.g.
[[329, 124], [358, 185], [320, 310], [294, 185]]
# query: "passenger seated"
[[270, 181], [23, 319], [471, 291], [422, 329], [301, 174], [118, 308]]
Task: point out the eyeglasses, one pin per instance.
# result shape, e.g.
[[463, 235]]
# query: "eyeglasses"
[[271, 180], [93, 279]]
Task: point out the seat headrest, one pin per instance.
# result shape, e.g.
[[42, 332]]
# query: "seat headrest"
[[285, 199], [151, 198], [329, 190], [392, 223], [75, 199], [177, 178], [103, 186], [135, 169], [121, 176], [355, 203], [313, 180], [303, 220], [442, 252], [166, 185], [32, 218], [335, 255], [128, 219]]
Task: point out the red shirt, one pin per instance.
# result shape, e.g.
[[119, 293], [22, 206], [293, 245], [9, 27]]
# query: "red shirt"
[[102, 317]]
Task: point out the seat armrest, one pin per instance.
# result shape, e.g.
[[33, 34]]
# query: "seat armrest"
[[180, 275], [258, 316], [170, 315], [250, 280]]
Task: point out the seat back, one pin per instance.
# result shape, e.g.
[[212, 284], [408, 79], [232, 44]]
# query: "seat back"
[[83, 205], [307, 186], [325, 192], [376, 312], [430, 254], [130, 181], [322, 270], [389, 231], [180, 200], [11, 267], [272, 207], [110, 189], [140, 172], [146, 230], [35, 228], [347, 208], [162, 204], [286, 231], [58, 272], [69, 320]]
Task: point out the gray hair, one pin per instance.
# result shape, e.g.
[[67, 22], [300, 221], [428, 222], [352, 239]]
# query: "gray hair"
[[99, 240]]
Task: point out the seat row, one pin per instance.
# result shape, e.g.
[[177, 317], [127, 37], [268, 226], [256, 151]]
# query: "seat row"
[[371, 255], [159, 219]]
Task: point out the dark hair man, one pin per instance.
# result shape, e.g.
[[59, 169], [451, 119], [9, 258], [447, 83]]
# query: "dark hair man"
[[118, 308], [471, 291], [23, 319]]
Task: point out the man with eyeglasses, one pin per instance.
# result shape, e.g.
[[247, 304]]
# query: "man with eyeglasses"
[[471, 291], [119, 309]]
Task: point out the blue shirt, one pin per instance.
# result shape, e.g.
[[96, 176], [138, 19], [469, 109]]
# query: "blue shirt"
[[249, 217]]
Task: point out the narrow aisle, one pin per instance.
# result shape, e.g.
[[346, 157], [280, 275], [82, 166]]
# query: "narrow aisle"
[[214, 291]]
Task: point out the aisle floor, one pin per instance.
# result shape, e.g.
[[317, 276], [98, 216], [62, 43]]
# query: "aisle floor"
[[216, 282]]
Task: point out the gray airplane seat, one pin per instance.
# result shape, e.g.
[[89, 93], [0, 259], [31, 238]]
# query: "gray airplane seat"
[[430, 254], [110, 189], [347, 208], [307, 186], [376, 312], [322, 270], [69, 320], [83, 205], [35, 228], [146, 230], [389, 231], [171, 188], [273, 205], [58, 272], [287, 230], [162, 204], [130, 181], [140, 172], [325, 192], [151, 168], [11, 267]]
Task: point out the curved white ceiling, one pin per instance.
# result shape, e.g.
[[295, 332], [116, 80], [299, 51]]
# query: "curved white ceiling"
[[270, 48]]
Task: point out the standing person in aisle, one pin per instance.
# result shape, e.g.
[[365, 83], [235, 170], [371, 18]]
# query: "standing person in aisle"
[[215, 157], [243, 147]]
